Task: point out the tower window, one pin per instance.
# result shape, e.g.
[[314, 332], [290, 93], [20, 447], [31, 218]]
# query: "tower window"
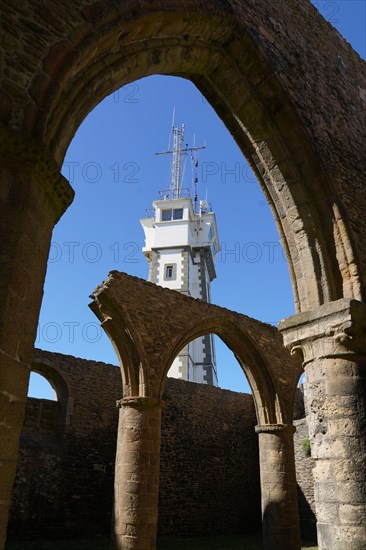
[[178, 214], [169, 214], [170, 272], [166, 215]]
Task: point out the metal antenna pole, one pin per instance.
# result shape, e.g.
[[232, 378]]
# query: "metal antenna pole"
[[178, 137], [177, 152]]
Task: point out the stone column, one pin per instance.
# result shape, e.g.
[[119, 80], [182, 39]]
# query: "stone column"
[[278, 487], [33, 195], [137, 474], [333, 343]]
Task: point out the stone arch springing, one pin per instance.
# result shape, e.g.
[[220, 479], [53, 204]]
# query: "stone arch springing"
[[133, 312], [127, 344]]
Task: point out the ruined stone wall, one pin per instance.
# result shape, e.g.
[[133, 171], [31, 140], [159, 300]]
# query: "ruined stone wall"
[[64, 481], [209, 458], [304, 464], [209, 475]]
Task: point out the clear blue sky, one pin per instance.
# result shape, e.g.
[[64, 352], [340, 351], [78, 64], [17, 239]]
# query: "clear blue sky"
[[116, 176]]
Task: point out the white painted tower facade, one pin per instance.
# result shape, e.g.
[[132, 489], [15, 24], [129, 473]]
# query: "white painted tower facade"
[[181, 242]]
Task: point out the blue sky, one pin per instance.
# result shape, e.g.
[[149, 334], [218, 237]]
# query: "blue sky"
[[112, 167]]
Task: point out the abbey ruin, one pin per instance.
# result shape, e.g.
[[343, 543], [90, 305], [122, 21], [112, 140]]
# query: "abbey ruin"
[[292, 93], [209, 466]]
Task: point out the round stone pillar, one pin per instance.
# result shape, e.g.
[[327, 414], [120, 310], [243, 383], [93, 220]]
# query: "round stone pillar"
[[278, 487], [137, 474], [332, 341], [33, 195]]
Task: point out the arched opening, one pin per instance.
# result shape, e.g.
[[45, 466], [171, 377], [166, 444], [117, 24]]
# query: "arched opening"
[[48, 404], [89, 250], [117, 176], [43, 404], [113, 188], [40, 387]]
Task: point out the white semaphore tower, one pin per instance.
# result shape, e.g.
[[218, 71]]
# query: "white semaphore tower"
[[181, 242]]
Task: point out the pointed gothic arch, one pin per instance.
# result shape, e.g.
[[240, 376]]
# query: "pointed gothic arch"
[[257, 110]]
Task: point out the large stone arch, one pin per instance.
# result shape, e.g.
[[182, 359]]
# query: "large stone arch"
[[299, 121], [223, 49]]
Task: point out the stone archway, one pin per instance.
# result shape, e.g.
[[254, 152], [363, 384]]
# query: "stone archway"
[[252, 90], [209, 50], [261, 65], [148, 326]]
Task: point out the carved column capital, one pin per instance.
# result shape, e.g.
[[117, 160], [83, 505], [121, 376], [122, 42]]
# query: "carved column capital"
[[140, 402], [25, 155], [335, 329], [275, 428]]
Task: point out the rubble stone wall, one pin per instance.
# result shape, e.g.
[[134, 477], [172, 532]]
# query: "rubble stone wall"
[[209, 477], [209, 473]]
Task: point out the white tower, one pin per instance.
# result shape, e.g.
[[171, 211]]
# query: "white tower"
[[181, 242]]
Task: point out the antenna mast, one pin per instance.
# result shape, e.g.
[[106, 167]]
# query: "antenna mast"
[[177, 152], [175, 185]]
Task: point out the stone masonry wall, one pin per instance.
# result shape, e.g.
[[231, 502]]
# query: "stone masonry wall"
[[209, 474], [305, 483], [209, 458], [64, 481], [304, 464]]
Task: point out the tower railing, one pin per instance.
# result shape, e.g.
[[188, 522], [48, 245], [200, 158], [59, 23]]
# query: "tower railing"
[[166, 194], [150, 212]]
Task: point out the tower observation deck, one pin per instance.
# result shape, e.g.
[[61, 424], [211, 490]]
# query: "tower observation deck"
[[181, 243]]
